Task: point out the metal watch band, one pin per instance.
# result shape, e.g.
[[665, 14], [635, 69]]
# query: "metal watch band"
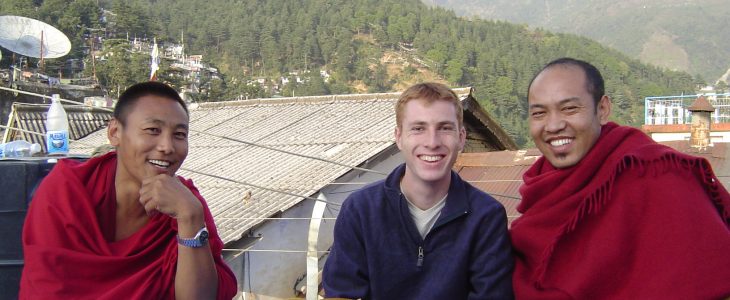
[[200, 239]]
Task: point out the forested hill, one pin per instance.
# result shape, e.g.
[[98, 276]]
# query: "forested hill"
[[688, 35], [377, 45]]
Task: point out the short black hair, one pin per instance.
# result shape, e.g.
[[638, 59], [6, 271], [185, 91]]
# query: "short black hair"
[[139, 90], [594, 81]]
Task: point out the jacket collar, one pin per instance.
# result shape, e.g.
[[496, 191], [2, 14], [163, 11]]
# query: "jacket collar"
[[456, 202]]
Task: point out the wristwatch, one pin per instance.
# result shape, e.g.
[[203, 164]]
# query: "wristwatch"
[[200, 239]]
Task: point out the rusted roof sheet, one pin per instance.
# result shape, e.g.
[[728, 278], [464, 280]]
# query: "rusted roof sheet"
[[716, 154], [498, 173]]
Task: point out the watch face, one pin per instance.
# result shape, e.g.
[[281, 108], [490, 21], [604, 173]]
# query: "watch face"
[[203, 237]]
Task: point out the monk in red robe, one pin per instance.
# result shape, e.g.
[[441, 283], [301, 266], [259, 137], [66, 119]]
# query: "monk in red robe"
[[123, 225], [607, 212]]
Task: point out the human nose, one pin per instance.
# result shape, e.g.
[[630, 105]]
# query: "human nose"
[[554, 123], [432, 139], [166, 144]]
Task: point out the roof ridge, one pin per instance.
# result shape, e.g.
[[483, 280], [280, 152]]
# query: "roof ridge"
[[370, 97]]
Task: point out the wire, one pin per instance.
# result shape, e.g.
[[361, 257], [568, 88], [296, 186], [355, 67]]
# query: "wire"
[[289, 152], [41, 134], [505, 196], [271, 250], [49, 97], [342, 192], [276, 218], [494, 180], [258, 186]]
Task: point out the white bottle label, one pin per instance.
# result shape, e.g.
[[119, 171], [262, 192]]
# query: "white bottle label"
[[57, 142]]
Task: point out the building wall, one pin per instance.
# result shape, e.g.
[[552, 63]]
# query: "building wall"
[[476, 142], [715, 137], [271, 275]]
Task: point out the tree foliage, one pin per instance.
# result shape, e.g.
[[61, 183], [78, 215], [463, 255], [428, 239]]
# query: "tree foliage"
[[273, 38]]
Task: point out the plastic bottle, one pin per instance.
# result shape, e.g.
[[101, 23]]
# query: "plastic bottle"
[[19, 148], [57, 128]]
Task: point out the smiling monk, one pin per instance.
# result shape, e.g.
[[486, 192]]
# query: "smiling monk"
[[607, 212], [423, 232], [123, 225]]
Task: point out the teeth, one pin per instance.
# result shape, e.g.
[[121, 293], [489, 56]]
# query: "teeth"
[[430, 158], [560, 142], [160, 163]]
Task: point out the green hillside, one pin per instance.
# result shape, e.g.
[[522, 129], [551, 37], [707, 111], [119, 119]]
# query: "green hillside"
[[687, 35], [368, 45]]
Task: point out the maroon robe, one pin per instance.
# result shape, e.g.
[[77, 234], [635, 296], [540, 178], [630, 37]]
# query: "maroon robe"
[[69, 247], [632, 220]]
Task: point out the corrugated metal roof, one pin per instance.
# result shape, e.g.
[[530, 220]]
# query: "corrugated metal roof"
[[498, 173], [716, 154], [82, 121], [347, 129]]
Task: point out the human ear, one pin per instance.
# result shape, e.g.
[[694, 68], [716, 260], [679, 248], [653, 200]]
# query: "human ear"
[[113, 132], [604, 109], [397, 134]]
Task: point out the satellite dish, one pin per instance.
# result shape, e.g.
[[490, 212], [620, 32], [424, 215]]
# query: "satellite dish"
[[32, 38]]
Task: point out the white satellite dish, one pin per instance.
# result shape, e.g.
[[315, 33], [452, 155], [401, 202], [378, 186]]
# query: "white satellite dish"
[[32, 38]]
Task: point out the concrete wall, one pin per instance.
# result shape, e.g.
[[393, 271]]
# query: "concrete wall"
[[715, 137], [269, 275]]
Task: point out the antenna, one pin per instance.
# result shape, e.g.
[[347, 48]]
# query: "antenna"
[[32, 38]]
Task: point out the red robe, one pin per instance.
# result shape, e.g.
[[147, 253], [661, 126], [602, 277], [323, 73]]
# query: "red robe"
[[632, 220], [69, 247]]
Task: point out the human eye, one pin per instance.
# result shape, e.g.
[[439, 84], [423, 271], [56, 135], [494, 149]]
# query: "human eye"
[[570, 108], [417, 128], [536, 114], [181, 135], [447, 127], [152, 130]]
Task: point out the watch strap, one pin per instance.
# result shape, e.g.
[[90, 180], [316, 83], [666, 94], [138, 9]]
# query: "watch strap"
[[200, 239]]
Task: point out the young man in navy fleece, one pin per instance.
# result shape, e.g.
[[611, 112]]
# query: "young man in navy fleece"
[[423, 232]]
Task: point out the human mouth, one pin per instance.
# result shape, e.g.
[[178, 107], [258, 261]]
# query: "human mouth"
[[431, 158], [560, 142], [159, 163]]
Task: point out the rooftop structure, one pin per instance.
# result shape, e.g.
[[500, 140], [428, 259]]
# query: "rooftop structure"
[[673, 118], [295, 145], [668, 110], [31, 119]]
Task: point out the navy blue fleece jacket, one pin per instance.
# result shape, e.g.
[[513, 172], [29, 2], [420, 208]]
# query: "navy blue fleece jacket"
[[379, 254]]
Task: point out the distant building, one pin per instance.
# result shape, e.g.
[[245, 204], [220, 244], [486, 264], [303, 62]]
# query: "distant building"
[[670, 118], [697, 125]]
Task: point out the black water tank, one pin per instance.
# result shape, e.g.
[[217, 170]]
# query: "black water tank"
[[18, 181]]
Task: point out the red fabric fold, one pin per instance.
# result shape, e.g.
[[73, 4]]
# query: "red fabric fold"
[[633, 219], [67, 255]]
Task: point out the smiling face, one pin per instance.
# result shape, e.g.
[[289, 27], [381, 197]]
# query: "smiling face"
[[564, 120], [430, 138], [153, 139]]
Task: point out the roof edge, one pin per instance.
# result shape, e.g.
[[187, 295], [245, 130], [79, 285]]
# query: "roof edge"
[[497, 132], [461, 92]]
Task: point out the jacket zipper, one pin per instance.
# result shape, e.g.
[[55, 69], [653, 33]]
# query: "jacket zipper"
[[419, 261]]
